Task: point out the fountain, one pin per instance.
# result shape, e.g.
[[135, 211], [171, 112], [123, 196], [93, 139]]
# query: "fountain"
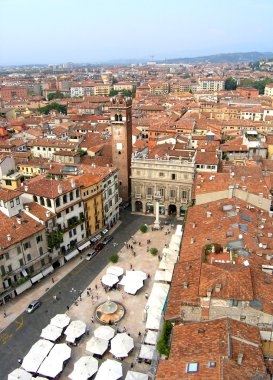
[[109, 312]]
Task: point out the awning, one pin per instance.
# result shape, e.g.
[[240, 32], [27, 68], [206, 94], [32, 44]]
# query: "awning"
[[71, 254], [24, 273], [48, 270], [94, 239], [85, 245], [104, 232], [36, 278], [26, 285]]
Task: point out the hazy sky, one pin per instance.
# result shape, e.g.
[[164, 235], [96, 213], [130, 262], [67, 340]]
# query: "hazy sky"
[[57, 31]]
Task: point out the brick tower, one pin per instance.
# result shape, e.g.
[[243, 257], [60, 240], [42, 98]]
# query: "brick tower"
[[121, 122]]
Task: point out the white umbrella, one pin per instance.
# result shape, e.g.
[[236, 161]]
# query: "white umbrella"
[[109, 279], [109, 370], [53, 363], [36, 355], [51, 332], [19, 374], [132, 375], [146, 351], [60, 320], [136, 274], [121, 345], [133, 287], [97, 346], [104, 332], [84, 368], [75, 330], [151, 337], [117, 271]]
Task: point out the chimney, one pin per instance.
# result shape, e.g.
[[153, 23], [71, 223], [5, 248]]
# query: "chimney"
[[19, 221], [192, 240], [60, 189], [230, 191], [209, 290], [209, 214], [185, 284], [48, 213], [218, 288], [26, 188], [9, 237], [73, 183], [240, 358], [193, 225], [27, 208]]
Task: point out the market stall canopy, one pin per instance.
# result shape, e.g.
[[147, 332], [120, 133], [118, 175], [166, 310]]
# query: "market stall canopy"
[[117, 271], [60, 320], [97, 346], [104, 332], [75, 330], [36, 355], [51, 332], [109, 370], [53, 364], [19, 374], [109, 279], [84, 368], [146, 352], [163, 275], [151, 337], [121, 345], [132, 375]]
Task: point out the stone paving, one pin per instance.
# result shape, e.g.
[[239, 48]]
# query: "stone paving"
[[133, 319]]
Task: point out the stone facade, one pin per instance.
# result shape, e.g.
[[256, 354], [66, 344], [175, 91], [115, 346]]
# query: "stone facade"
[[173, 178]]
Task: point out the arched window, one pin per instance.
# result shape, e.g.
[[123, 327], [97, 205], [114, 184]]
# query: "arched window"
[[116, 117], [120, 117]]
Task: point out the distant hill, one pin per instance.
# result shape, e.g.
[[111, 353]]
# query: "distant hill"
[[223, 58]]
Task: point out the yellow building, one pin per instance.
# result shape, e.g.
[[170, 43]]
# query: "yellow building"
[[91, 194], [29, 170], [12, 180]]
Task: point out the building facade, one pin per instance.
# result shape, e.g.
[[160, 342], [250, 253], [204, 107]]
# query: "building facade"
[[172, 178]]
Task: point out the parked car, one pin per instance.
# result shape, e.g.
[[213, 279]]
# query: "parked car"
[[90, 255], [99, 247], [107, 239], [33, 306]]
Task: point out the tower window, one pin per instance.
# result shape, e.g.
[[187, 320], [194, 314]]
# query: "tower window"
[[120, 117], [116, 117], [119, 152]]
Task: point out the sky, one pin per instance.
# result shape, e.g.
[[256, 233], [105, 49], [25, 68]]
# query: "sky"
[[94, 31]]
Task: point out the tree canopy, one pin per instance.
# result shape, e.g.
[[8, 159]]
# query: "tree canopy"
[[258, 84], [53, 106], [55, 95], [230, 84], [124, 92]]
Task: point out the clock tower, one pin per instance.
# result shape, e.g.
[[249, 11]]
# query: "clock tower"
[[121, 123]]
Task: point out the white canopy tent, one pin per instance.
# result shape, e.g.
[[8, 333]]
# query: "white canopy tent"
[[174, 246], [19, 374], [133, 281], [75, 330], [163, 275], [54, 362], [139, 274], [155, 305], [146, 352], [132, 375], [97, 346], [109, 370], [60, 320], [133, 287], [36, 355], [121, 345], [151, 337], [166, 265], [117, 271], [104, 332], [176, 239], [109, 279], [51, 332], [84, 368], [179, 231], [153, 320]]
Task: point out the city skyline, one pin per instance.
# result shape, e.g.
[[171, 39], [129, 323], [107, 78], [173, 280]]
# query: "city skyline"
[[68, 31]]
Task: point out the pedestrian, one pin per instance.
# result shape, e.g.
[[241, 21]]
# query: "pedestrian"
[[97, 296], [158, 258], [67, 307], [131, 266], [5, 314], [52, 279], [132, 365], [54, 298], [139, 333], [146, 296], [92, 319], [148, 248], [81, 257], [149, 276], [88, 293], [139, 243], [96, 287], [20, 361], [134, 253]]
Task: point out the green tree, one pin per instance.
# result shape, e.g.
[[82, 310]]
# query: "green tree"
[[143, 228], [53, 106], [258, 84], [114, 258], [154, 251], [123, 92], [55, 95], [230, 84]]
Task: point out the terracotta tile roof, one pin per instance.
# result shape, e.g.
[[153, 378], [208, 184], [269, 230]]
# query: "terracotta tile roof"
[[7, 195], [39, 211]]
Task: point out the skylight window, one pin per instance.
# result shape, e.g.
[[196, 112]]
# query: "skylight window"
[[192, 367]]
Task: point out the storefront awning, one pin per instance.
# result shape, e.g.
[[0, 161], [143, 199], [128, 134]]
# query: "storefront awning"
[[36, 278], [48, 270], [26, 285], [84, 245], [71, 254]]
